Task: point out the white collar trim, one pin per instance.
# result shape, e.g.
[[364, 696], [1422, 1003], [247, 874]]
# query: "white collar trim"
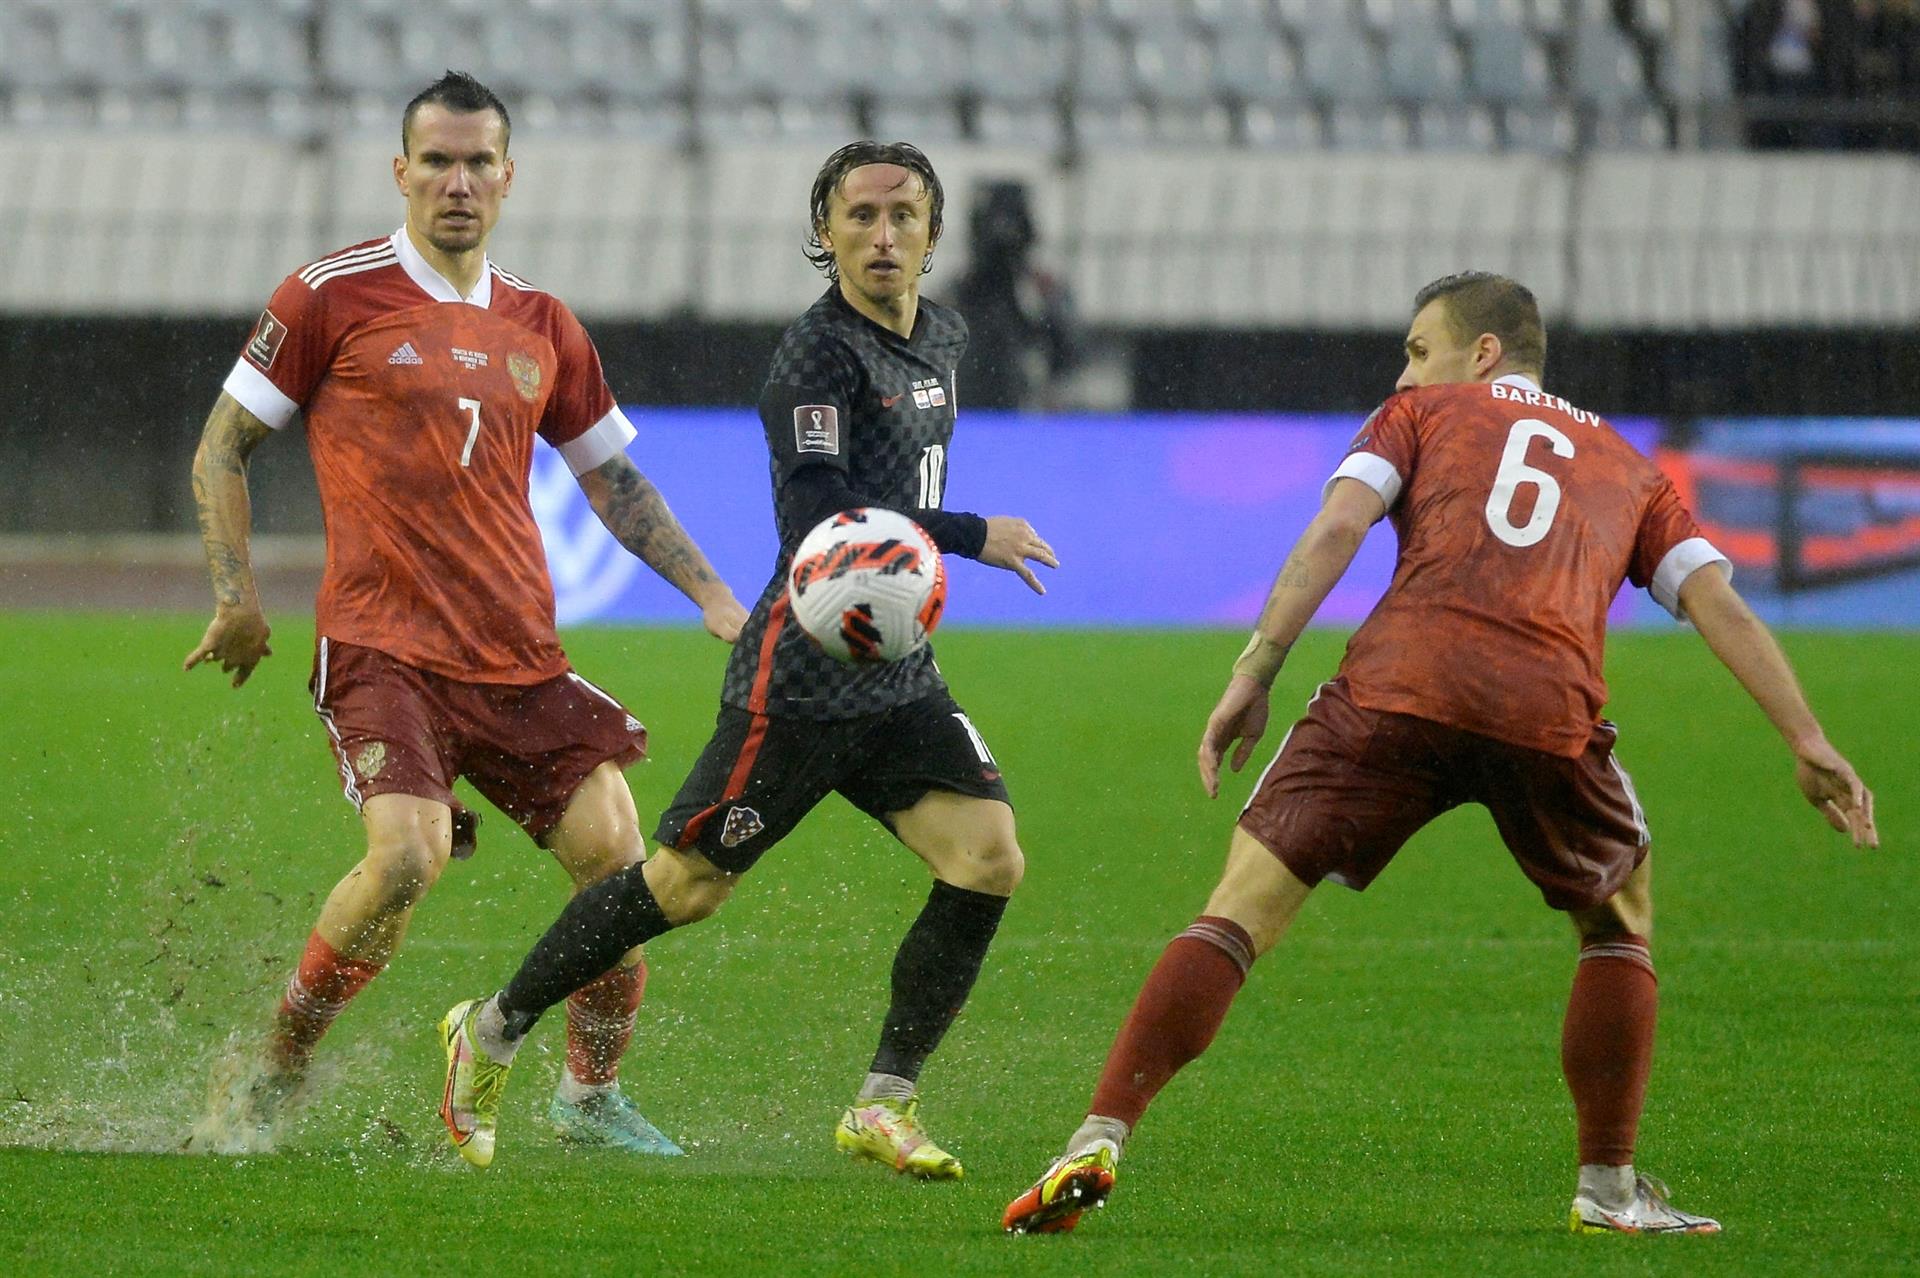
[[433, 283], [1517, 379]]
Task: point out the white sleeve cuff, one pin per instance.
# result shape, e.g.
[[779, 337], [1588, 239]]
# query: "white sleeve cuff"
[[259, 396], [1371, 469], [606, 438], [1679, 564]]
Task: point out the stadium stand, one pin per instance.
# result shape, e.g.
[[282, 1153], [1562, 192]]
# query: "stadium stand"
[[682, 132]]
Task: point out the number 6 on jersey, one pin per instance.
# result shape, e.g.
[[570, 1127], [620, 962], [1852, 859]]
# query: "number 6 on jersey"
[[1514, 472]]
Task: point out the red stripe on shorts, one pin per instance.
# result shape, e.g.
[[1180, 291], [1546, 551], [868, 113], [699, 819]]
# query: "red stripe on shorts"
[[756, 731]]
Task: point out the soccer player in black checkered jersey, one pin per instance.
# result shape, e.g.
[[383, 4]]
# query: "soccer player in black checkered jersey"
[[858, 411]]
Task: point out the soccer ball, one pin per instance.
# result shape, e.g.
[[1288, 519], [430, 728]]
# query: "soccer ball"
[[868, 586]]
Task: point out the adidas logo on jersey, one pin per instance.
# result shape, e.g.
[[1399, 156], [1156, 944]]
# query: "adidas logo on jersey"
[[405, 355]]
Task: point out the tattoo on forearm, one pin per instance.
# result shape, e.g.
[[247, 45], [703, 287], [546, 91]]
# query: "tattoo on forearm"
[[635, 513], [1293, 574], [220, 500]]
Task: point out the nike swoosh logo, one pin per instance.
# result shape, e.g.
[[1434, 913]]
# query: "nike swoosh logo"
[[888, 401]]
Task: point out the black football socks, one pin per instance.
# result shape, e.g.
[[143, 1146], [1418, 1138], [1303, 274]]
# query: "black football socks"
[[933, 973], [597, 927]]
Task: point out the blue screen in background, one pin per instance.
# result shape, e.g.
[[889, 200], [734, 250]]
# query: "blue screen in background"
[[1158, 520]]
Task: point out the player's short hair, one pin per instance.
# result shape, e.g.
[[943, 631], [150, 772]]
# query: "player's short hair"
[[456, 91], [856, 155], [1482, 302]]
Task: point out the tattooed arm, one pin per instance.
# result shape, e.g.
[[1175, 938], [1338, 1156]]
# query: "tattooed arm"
[[635, 513], [237, 637], [1318, 560]]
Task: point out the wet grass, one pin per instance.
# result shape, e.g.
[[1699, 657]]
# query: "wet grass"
[[1384, 1098]]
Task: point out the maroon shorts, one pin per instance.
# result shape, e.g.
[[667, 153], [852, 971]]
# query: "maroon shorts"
[[397, 729], [1351, 785]]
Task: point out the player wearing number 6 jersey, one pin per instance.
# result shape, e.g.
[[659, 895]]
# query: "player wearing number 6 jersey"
[[424, 372], [858, 410], [1476, 679]]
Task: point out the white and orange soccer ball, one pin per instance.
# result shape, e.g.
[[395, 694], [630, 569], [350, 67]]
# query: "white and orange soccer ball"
[[868, 585]]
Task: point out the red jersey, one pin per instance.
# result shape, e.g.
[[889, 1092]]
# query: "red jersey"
[[1518, 516], [421, 407]]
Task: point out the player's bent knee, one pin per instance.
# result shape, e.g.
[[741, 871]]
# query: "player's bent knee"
[[402, 869], [687, 886], [1001, 868]]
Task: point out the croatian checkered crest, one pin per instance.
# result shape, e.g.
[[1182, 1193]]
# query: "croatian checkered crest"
[[868, 586]]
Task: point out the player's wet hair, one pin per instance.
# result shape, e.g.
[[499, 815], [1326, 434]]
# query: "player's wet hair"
[[1482, 302], [855, 155], [456, 91]]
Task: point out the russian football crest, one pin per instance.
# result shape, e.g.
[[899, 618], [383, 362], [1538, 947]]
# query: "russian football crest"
[[371, 758], [525, 370]]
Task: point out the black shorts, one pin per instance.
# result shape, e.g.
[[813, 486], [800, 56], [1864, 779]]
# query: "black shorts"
[[759, 774]]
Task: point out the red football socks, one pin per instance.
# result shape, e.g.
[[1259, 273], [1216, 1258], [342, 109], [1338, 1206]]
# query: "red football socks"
[[1606, 1045], [320, 989], [600, 1020], [1176, 1015]]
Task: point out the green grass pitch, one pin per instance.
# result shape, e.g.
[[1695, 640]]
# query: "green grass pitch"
[[1385, 1096]]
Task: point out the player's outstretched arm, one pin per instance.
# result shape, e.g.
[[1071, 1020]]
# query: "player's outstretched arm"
[[636, 514], [237, 636], [1745, 646], [1317, 561]]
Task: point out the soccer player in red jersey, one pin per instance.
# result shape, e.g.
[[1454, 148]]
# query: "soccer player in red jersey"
[[424, 371], [1475, 679]]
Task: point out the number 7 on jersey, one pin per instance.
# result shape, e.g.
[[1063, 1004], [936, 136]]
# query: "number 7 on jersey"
[[473, 434]]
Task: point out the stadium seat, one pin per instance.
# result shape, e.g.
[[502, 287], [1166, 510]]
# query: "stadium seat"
[[1606, 69], [1422, 64], [922, 123], [1277, 127], [1338, 63], [1352, 127], [1507, 65], [1636, 127], [1468, 16], [1034, 125], [1259, 67], [1547, 130], [1016, 61], [1444, 127], [1549, 17], [1185, 124], [1173, 65], [1112, 126], [1230, 18], [1103, 68], [770, 120], [1382, 16], [268, 49]]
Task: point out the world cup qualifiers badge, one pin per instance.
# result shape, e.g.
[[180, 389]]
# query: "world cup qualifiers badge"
[[526, 375]]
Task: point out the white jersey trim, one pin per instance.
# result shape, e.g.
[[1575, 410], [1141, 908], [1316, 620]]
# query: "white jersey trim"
[[1679, 564], [1371, 469], [436, 285], [369, 259], [253, 391], [601, 441]]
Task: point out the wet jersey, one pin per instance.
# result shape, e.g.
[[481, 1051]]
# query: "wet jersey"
[[878, 409], [421, 408], [1518, 517]]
